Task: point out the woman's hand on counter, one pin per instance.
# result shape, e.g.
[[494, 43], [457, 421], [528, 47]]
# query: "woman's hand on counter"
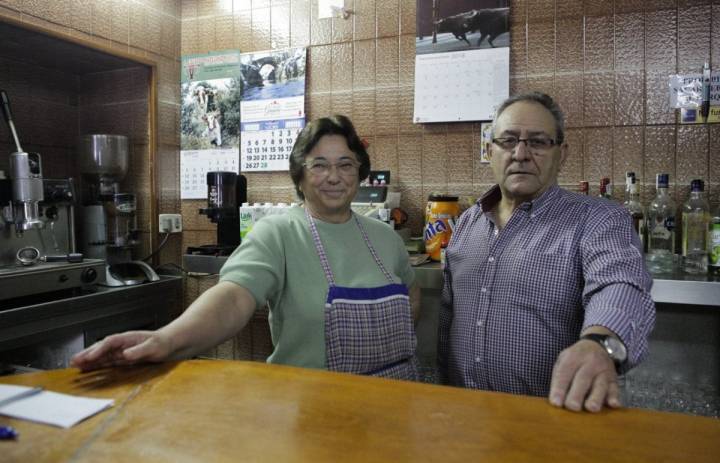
[[124, 349]]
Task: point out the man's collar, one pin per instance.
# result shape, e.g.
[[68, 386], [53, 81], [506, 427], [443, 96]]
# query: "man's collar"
[[492, 197]]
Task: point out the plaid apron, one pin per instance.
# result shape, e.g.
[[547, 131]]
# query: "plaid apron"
[[368, 331]]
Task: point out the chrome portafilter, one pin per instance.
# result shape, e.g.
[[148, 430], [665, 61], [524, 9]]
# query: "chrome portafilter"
[[28, 256]]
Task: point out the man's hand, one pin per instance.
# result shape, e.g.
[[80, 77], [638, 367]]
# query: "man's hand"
[[584, 376]]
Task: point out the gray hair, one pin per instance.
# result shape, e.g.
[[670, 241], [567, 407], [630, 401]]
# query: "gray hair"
[[546, 102]]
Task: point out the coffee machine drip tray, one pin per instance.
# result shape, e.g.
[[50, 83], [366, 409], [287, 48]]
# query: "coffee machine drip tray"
[[211, 250], [18, 281]]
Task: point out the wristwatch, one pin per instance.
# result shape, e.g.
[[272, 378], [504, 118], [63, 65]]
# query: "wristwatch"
[[612, 345]]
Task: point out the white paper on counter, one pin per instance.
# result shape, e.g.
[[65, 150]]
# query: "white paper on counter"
[[55, 409], [8, 391]]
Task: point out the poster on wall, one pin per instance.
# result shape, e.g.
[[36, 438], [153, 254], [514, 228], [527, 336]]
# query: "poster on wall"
[[462, 59], [211, 90], [273, 107], [697, 96]]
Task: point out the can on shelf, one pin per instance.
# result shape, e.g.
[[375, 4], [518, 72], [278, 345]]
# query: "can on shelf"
[[440, 216]]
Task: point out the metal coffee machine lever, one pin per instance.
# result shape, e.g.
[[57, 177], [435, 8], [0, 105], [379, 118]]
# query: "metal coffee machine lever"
[[26, 181]]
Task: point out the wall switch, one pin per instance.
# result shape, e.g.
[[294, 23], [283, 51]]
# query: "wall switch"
[[170, 223]]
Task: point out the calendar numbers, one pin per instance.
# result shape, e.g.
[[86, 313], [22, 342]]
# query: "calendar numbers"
[[269, 145], [194, 166]]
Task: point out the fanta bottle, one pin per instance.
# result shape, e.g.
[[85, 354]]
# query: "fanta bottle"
[[440, 216]]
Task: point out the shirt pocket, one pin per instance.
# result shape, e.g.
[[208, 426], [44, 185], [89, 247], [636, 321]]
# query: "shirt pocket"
[[550, 282]]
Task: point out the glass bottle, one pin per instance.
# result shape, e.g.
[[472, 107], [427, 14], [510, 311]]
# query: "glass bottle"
[[584, 188], [695, 223], [632, 203], [661, 228], [629, 180], [605, 188], [714, 251]]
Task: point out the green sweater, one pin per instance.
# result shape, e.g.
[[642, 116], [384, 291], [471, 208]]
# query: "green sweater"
[[277, 263]]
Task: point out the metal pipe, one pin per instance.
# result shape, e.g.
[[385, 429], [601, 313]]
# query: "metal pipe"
[[8, 118]]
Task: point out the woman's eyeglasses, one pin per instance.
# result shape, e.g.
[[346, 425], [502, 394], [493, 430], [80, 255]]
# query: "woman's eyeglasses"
[[346, 168]]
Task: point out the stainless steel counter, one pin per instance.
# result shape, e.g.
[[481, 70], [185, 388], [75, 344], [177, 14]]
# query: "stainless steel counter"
[[97, 314], [670, 289]]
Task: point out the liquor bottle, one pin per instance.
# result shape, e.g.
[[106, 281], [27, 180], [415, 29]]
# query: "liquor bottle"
[[695, 223], [633, 204], [714, 251], [584, 188], [661, 229], [629, 180], [605, 188]]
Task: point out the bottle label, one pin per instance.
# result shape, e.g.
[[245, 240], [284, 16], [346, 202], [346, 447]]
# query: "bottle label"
[[670, 223], [661, 231], [715, 245]]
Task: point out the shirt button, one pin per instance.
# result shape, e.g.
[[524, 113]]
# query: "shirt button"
[[479, 323], [483, 290], [477, 359], [491, 259], [495, 232]]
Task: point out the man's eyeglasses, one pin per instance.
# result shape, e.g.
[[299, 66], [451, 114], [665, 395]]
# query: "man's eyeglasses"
[[534, 143], [346, 168]]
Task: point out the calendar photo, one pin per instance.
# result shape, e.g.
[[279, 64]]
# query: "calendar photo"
[[272, 108], [461, 25], [211, 91]]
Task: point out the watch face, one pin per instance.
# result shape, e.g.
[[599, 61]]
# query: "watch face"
[[616, 349]]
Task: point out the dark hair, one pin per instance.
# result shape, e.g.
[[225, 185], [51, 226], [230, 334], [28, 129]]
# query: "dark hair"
[[312, 133], [546, 102]]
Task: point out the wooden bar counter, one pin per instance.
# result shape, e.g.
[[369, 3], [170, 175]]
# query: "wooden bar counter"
[[217, 411]]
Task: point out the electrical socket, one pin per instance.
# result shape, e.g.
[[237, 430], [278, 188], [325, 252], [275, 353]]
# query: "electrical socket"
[[170, 223]]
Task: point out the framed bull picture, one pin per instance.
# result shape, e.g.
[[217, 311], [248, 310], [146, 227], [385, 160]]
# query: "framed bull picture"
[[462, 62]]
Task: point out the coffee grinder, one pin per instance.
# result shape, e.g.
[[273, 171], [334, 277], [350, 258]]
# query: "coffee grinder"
[[226, 192], [109, 216]]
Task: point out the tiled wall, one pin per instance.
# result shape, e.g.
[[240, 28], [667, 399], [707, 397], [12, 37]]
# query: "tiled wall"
[[44, 104], [606, 62], [144, 29]]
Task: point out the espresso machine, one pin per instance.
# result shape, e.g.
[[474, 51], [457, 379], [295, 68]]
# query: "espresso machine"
[[38, 259], [226, 192], [109, 215]]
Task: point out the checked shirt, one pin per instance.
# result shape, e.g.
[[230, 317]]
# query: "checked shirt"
[[514, 298]]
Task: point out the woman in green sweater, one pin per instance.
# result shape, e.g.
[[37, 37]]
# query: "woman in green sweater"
[[336, 282]]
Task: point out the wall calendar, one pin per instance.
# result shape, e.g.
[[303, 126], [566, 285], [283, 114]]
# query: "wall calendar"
[[272, 108], [195, 166], [462, 59]]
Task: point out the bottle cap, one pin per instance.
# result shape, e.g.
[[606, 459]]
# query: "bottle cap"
[[697, 185], [441, 198], [662, 180], [629, 178]]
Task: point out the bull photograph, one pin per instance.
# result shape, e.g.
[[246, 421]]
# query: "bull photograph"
[[456, 25]]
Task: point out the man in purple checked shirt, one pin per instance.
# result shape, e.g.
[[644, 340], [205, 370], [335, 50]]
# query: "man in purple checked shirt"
[[546, 291]]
